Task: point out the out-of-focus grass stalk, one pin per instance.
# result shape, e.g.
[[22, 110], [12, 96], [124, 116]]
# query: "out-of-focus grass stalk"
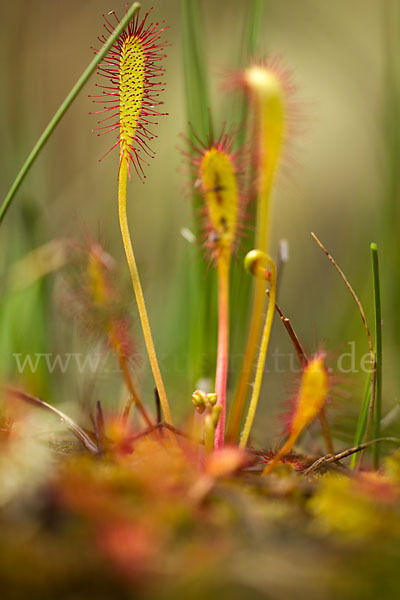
[[240, 283], [194, 63], [254, 25], [378, 353], [26, 297], [249, 49], [25, 305], [391, 161], [64, 107], [36, 264], [203, 317]]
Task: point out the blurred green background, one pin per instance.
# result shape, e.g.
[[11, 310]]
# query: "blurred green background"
[[343, 184]]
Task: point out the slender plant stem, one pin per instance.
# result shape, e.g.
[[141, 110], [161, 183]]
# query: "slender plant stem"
[[64, 107], [378, 354], [247, 367], [123, 178], [209, 433], [261, 357], [223, 344]]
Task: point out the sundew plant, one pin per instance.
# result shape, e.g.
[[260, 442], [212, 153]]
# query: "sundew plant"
[[183, 483]]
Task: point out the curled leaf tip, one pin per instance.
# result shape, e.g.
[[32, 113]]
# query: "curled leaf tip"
[[254, 263]]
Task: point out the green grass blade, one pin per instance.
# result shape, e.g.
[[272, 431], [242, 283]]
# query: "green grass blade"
[[255, 21], [362, 419], [64, 107], [390, 174], [249, 49], [196, 87], [378, 353], [203, 320]]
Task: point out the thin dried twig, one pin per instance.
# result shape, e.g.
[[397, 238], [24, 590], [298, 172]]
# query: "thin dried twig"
[[351, 290], [330, 458], [292, 334]]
